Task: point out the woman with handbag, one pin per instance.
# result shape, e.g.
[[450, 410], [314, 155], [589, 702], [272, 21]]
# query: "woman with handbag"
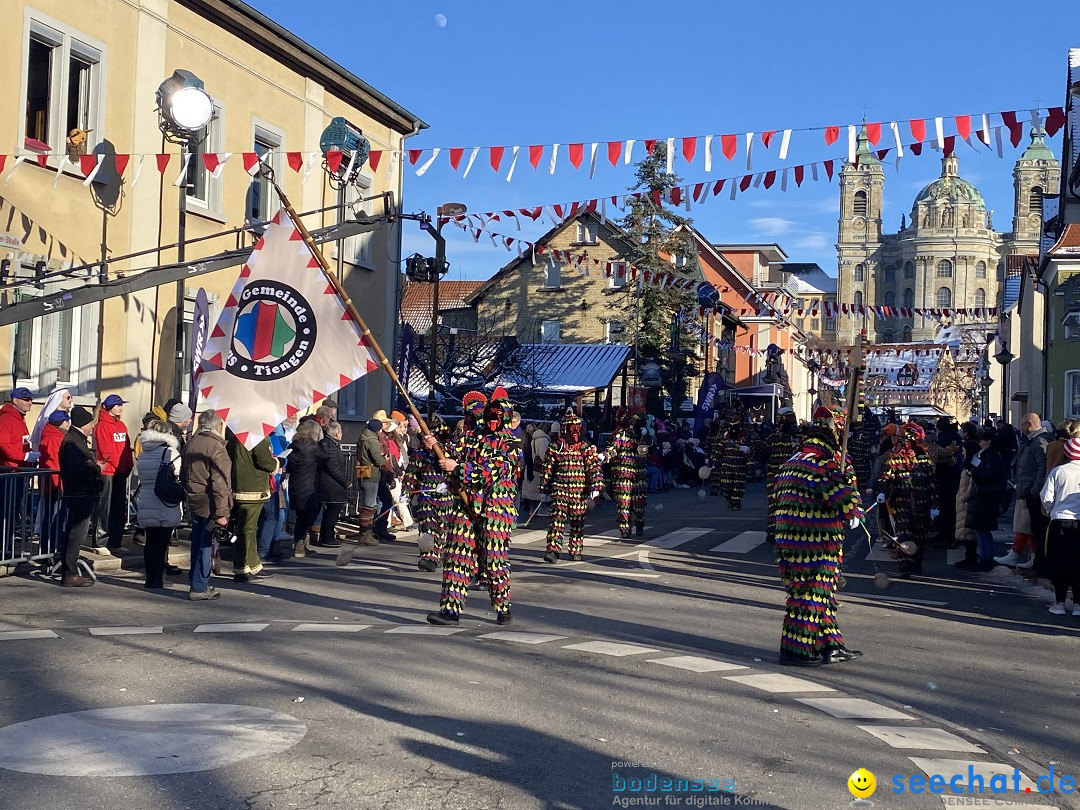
[[159, 497]]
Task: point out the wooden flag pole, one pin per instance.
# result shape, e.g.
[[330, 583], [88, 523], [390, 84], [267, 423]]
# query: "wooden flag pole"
[[851, 400]]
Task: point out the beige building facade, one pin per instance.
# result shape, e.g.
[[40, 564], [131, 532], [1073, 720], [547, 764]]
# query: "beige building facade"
[[95, 65]]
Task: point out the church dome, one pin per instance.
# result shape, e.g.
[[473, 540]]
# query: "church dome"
[[950, 187]]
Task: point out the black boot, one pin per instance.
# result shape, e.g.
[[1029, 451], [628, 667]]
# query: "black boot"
[[551, 557], [443, 618], [838, 655], [788, 659]]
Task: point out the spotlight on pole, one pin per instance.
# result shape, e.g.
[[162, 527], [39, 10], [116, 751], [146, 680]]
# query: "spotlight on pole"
[[348, 139], [184, 107]]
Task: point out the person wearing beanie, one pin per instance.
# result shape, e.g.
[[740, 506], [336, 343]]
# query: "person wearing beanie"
[[572, 477], [50, 511], [179, 422], [82, 482], [1060, 496], [816, 500], [909, 491], [1055, 451], [113, 450]]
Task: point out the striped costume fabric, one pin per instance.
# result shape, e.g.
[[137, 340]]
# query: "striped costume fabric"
[[734, 466], [717, 443], [424, 477], [781, 445], [814, 501], [571, 473], [628, 481], [909, 481]]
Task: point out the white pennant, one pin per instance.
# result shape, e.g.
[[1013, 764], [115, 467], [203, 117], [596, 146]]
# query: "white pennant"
[[427, 165], [997, 138], [309, 165], [851, 143], [348, 169], [671, 156], [783, 180], [749, 149], [183, 170], [97, 168], [939, 132], [734, 188], [513, 164], [138, 171], [64, 161], [626, 154], [1036, 119], [472, 158], [986, 129], [222, 160], [554, 158], [592, 161], [896, 137], [757, 180], [391, 164], [785, 140], [708, 153], [19, 160], [813, 171]]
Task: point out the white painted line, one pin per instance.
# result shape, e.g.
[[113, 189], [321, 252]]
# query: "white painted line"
[[235, 627], [695, 664], [741, 543], [643, 560], [368, 567], [630, 574], [521, 638], [329, 628], [854, 709], [948, 768], [777, 683], [16, 635], [425, 630], [125, 631], [666, 541], [874, 597], [528, 537], [927, 739], [610, 648]]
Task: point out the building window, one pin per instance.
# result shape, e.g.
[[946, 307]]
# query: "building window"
[[980, 270], [261, 200], [586, 233], [62, 87], [358, 250], [549, 332], [679, 260], [618, 275], [858, 298], [909, 270], [860, 272], [1072, 394], [907, 334], [553, 275], [613, 332], [799, 323], [204, 191], [1001, 271], [909, 298], [944, 298], [980, 297], [1035, 200], [944, 269], [815, 324], [1071, 322], [888, 336], [830, 324], [890, 299], [890, 273], [859, 206], [55, 349]]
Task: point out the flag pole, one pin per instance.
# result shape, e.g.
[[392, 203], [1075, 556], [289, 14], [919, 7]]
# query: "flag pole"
[[852, 393], [369, 339]]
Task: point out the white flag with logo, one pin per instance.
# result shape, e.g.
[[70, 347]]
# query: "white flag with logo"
[[284, 339]]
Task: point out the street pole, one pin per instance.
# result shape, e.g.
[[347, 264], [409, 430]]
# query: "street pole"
[[440, 259], [181, 256]]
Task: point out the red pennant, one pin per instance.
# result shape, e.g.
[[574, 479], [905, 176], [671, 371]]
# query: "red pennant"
[[950, 145], [655, 195], [42, 160], [800, 172], [828, 168], [218, 331], [333, 160], [881, 153], [87, 163], [744, 184], [210, 161], [770, 178], [291, 410], [224, 413], [558, 209], [918, 129], [162, 162], [532, 213], [963, 126], [119, 161], [831, 134], [414, 155], [240, 437], [689, 149], [373, 159], [873, 132], [676, 195], [766, 137], [1055, 120], [535, 153], [495, 156], [206, 391], [717, 187], [251, 160], [698, 188], [577, 152], [614, 150], [1016, 129], [296, 160], [3, 160], [316, 396], [649, 146], [916, 148], [343, 380], [728, 144], [455, 156]]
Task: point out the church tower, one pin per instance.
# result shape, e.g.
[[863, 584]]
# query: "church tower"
[[862, 187], [1036, 173]]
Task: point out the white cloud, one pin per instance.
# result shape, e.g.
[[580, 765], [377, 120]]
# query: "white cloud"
[[772, 226], [814, 240]]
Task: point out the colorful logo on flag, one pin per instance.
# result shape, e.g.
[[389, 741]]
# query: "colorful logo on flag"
[[274, 334]]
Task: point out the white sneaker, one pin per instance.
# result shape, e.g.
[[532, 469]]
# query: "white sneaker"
[[1009, 559], [1058, 609], [1027, 564]]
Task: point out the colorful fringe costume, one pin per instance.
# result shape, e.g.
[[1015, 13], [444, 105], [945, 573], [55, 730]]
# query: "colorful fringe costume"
[[909, 481], [781, 445], [486, 474], [717, 443], [571, 475], [627, 475], [814, 502], [734, 466], [425, 477]]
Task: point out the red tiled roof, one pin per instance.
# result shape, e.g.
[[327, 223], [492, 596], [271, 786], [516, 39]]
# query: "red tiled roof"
[[416, 300], [1069, 239]]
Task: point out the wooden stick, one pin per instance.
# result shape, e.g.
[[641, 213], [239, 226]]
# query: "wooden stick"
[[852, 395]]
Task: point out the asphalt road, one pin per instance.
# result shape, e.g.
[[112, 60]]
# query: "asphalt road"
[[395, 718]]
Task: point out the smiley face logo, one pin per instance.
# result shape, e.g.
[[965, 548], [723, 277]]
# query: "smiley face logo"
[[862, 784]]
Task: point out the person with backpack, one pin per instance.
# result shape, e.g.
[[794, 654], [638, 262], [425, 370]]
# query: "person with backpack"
[[159, 497]]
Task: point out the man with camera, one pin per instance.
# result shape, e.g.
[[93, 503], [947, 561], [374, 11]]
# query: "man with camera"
[[206, 472]]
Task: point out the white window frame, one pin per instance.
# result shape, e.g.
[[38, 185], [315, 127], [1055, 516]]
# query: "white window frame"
[[549, 327], [1072, 380], [67, 42], [613, 334], [553, 272], [618, 279], [937, 298], [945, 269], [213, 205], [273, 137], [1071, 332], [586, 232], [980, 293], [359, 250], [980, 269]]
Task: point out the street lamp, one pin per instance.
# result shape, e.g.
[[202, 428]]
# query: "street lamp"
[[442, 214], [184, 111], [1004, 357]]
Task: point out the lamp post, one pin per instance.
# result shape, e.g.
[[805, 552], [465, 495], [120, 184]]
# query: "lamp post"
[[435, 272], [184, 110], [1004, 357]]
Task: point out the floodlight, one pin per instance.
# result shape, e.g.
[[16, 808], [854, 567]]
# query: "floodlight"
[[341, 136], [184, 106]]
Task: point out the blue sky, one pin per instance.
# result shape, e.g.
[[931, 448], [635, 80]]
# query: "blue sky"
[[519, 73]]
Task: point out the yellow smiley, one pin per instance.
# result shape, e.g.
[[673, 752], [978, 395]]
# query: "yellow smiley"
[[862, 784]]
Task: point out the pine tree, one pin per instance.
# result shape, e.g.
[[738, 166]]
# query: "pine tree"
[[656, 235]]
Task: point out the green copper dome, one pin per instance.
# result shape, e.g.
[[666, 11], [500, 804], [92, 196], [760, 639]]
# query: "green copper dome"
[[950, 186]]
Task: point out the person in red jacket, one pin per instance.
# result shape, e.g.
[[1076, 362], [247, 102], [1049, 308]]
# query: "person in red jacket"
[[113, 451], [51, 518], [15, 451]]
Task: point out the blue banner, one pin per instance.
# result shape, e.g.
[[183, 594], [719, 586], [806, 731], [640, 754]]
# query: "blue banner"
[[711, 385], [405, 361], [200, 327]]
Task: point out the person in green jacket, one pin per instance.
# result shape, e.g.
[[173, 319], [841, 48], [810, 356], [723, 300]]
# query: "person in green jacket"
[[251, 471]]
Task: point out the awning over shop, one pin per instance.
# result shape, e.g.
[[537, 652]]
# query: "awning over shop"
[[771, 390], [566, 369]]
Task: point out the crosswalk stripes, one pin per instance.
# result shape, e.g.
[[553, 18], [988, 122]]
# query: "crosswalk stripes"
[[984, 771], [126, 631], [924, 739], [232, 627], [532, 537], [741, 543]]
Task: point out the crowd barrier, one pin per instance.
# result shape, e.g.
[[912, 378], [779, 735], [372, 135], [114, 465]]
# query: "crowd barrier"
[[31, 517]]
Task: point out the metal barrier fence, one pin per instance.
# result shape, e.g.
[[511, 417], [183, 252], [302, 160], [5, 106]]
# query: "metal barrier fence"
[[355, 497], [31, 516]]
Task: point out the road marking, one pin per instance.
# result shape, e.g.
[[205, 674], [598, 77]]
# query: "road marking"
[[521, 638], [529, 537], [854, 709], [425, 630], [234, 627], [695, 664], [368, 567], [873, 597], [927, 739], [329, 628], [777, 683], [664, 541], [16, 635], [628, 574], [741, 543], [610, 648], [124, 631], [948, 768]]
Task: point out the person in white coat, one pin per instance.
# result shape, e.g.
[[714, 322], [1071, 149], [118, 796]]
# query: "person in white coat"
[[1060, 498], [159, 519]]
